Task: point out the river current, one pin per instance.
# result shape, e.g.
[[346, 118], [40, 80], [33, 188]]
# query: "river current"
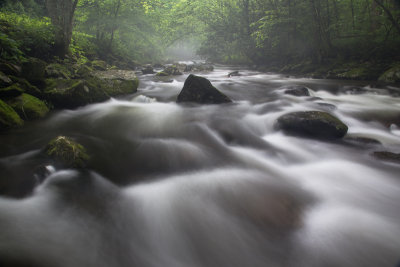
[[172, 185]]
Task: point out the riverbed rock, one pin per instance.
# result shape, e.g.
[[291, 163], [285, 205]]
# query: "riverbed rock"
[[234, 73], [314, 124], [28, 107], [297, 91], [387, 156], [67, 153], [200, 90], [34, 71], [8, 117]]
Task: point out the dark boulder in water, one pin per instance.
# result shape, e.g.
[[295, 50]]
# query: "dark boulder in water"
[[315, 124], [234, 73], [200, 90], [298, 91]]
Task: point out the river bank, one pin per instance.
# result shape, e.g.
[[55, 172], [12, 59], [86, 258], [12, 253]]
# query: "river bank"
[[379, 71]]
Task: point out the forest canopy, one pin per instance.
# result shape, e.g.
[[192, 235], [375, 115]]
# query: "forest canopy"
[[226, 31]]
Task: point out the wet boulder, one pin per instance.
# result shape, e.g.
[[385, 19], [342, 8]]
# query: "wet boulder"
[[200, 90], [8, 117], [66, 153], [28, 107], [314, 124], [234, 73], [297, 91]]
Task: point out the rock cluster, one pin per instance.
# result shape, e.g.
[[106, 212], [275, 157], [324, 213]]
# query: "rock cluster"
[[29, 91]]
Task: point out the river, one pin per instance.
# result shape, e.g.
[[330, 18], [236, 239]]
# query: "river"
[[172, 185]]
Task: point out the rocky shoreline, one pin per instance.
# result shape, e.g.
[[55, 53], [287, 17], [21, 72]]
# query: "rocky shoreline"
[[380, 72], [31, 89]]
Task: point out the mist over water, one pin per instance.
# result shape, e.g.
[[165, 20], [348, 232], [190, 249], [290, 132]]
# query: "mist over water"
[[210, 185]]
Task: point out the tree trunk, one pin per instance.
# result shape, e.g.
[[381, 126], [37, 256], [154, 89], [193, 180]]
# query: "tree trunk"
[[61, 13]]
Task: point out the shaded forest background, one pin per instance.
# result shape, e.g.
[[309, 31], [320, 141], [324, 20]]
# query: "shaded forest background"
[[261, 32]]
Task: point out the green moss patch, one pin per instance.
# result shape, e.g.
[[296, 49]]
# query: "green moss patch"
[[28, 107], [8, 117], [67, 153]]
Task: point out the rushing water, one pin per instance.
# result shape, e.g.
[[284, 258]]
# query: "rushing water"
[[174, 185]]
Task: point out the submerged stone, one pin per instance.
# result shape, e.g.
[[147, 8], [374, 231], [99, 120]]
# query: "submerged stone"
[[67, 153], [200, 90], [315, 124]]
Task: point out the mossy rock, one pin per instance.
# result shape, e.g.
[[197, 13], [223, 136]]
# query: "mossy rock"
[[99, 65], [57, 71], [10, 69], [162, 74], [84, 71], [27, 87], [4, 80], [392, 75], [74, 93], [314, 124], [28, 107], [8, 117], [67, 153], [11, 91], [34, 71], [116, 82], [172, 70]]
